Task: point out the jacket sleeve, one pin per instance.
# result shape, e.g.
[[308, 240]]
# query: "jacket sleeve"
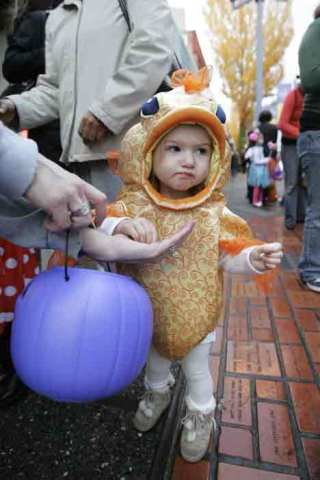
[[288, 130], [22, 224], [18, 160], [146, 60], [39, 105], [309, 58], [24, 60]]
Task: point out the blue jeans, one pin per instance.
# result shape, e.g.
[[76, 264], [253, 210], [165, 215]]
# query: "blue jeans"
[[294, 196], [309, 154]]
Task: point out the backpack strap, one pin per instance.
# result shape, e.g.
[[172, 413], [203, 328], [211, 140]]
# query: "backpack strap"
[[124, 9]]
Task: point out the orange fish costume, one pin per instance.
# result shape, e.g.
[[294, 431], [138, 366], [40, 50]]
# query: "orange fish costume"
[[186, 288]]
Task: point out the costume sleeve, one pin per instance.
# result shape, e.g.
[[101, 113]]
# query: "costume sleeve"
[[146, 60], [285, 125], [233, 227], [236, 239], [239, 263], [40, 105]]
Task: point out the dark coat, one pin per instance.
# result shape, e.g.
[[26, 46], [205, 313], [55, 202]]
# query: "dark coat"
[[24, 61]]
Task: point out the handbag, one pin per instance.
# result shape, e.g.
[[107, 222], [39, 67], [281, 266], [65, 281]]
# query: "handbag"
[[176, 64]]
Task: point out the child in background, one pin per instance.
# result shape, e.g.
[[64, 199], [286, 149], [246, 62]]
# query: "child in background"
[[174, 165], [246, 163], [258, 177]]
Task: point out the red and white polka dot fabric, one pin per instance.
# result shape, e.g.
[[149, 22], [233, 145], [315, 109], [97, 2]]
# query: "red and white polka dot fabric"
[[18, 266]]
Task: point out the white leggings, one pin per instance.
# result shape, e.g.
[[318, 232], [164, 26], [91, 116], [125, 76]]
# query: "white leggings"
[[195, 366]]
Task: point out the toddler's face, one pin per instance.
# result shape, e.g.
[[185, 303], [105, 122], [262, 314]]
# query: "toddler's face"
[[181, 160]]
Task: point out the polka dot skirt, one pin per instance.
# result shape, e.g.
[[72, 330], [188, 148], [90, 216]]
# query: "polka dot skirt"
[[18, 266]]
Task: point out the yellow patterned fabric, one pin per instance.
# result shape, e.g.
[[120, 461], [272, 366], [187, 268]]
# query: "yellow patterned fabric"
[[186, 288]]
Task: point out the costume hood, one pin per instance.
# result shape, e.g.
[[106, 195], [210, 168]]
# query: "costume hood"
[[190, 102]]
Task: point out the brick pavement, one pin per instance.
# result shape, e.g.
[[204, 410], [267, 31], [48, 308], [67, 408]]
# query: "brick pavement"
[[266, 366]]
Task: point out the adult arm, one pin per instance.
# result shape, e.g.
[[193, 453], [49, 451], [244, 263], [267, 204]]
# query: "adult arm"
[[146, 61], [288, 130], [24, 172], [18, 162], [22, 224]]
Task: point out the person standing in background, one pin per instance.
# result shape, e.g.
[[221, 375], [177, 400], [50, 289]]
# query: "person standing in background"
[[24, 60], [98, 73], [289, 124], [309, 152], [269, 131]]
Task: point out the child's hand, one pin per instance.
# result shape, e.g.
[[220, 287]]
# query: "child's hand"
[[139, 229], [267, 256]]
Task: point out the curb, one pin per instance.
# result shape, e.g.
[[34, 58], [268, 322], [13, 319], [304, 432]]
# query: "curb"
[[163, 460]]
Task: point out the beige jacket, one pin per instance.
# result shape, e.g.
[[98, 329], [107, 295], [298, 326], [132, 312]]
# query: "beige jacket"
[[93, 63]]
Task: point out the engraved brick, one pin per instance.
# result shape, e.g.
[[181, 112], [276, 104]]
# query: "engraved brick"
[[260, 317], [236, 442], [290, 281], [258, 301], [304, 299], [258, 358], [244, 289], [280, 307], [287, 331], [312, 452], [237, 327], [183, 470], [275, 437], [236, 401], [306, 400], [313, 342], [232, 472], [238, 306], [262, 334], [296, 362], [270, 390], [308, 320]]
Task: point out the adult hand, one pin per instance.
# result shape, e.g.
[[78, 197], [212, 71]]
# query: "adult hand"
[[8, 111], [121, 248], [267, 256], [91, 129], [139, 229], [64, 196]]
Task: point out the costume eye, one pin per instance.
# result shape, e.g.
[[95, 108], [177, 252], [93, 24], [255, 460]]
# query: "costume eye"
[[150, 107], [221, 114]]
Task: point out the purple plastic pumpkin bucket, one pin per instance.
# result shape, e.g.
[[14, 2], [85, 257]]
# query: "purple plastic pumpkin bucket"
[[83, 339]]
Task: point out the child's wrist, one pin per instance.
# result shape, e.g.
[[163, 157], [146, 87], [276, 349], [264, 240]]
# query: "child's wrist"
[[252, 261]]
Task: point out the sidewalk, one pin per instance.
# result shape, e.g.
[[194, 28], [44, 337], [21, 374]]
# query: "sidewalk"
[[266, 366]]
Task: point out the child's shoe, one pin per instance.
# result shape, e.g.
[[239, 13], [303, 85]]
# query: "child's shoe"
[[197, 428], [150, 409]]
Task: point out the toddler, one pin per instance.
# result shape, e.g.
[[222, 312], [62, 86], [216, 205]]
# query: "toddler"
[[174, 165], [258, 176]]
